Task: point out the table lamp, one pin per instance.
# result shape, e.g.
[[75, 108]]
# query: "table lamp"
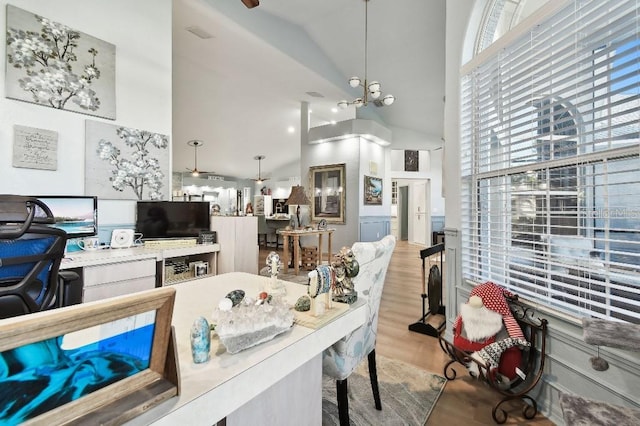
[[297, 198]]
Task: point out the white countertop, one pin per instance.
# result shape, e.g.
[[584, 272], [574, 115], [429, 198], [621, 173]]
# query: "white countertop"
[[213, 390], [80, 259]]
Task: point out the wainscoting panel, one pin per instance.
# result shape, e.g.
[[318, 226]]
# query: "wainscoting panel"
[[373, 228]]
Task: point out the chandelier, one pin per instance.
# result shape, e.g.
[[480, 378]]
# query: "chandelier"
[[371, 90]]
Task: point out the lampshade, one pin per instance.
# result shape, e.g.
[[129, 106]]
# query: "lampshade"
[[354, 81], [374, 86], [297, 197], [388, 100]]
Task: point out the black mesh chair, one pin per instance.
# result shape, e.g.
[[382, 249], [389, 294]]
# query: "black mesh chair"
[[30, 256]]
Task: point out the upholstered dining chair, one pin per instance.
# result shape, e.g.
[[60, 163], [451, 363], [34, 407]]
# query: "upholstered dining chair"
[[342, 358]]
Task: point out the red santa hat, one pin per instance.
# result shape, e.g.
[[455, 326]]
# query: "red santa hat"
[[494, 297]]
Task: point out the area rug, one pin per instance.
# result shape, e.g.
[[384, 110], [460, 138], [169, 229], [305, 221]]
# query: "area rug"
[[408, 395]]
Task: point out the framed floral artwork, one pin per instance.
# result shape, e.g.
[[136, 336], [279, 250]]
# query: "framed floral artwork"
[[123, 163], [50, 64]]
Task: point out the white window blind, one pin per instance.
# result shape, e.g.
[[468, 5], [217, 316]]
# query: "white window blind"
[[550, 132]]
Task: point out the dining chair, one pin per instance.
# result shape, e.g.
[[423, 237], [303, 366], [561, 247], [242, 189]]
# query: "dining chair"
[[342, 358]]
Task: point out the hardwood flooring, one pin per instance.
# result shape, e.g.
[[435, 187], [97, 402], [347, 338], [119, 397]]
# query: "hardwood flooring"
[[465, 401]]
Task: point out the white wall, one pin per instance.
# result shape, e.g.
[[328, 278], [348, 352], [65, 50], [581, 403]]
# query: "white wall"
[[141, 32]]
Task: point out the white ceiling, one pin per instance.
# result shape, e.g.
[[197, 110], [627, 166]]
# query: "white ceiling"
[[240, 90]]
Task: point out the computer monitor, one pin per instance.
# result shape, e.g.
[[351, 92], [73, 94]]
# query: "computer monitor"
[[77, 215]]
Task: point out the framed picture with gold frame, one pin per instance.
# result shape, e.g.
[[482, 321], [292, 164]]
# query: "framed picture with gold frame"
[[103, 362], [328, 190]]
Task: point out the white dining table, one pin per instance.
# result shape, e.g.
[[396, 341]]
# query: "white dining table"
[[278, 382]]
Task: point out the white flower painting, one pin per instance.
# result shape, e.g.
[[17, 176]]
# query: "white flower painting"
[[53, 65], [126, 163]]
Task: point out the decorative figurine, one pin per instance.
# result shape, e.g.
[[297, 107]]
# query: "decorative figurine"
[[273, 263], [200, 340], [321, 281], [346, 267]]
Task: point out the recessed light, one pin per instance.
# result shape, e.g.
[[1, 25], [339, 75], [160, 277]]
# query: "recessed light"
[[333, 121], [291, 129], [334, 110]]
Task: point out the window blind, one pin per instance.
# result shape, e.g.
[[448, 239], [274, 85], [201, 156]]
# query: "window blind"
[[550, 130]]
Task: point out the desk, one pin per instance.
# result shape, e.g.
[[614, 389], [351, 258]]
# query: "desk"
[[114, 272], [276, 382], [296, 234]]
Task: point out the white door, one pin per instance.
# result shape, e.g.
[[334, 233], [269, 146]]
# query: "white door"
[[421, 216]]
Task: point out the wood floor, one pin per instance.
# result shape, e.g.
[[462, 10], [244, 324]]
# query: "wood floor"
[[464, 401]]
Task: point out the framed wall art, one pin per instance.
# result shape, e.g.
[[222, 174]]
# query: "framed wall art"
[[372, 191], [122, 163], [411, 161], [50, 64], [327, 186], [93, 363]]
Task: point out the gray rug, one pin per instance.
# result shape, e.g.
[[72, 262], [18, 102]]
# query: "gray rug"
[[408, 395]]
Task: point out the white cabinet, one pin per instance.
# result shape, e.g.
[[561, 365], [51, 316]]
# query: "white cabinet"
[[116, 279], [115, 272], [238, 239]]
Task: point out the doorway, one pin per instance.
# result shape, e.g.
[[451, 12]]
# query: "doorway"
[[403, 212], [421, 214]]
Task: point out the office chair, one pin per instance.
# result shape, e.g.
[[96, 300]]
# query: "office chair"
[[342, 358], [30, 256]]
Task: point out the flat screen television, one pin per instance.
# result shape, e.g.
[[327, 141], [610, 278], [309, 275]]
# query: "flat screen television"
[[171, 219], [77, 215]]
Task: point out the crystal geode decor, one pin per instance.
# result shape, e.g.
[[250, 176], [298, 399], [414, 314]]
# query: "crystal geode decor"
[[247, 325]]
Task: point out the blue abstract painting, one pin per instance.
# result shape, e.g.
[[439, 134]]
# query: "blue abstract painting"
[[41, 376]]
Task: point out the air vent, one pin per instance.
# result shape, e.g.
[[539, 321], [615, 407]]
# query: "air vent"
[[199, 32], [315, 94]]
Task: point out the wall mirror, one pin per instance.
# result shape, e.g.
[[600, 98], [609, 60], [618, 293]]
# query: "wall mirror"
[[328, 187]]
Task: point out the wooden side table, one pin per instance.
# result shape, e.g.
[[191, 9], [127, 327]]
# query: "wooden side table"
[[295, 234]]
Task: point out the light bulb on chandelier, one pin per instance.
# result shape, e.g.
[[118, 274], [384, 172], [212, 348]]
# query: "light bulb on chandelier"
[[372, 90]]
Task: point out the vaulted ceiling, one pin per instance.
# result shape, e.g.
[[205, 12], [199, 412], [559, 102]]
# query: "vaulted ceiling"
[[240, 90]]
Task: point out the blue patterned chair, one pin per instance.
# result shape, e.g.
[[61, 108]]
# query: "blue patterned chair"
[[341, 359]]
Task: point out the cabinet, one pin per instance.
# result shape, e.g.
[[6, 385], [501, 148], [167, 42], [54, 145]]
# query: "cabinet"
[[116, 279], [181, 264], [115, 272], [238, 239]]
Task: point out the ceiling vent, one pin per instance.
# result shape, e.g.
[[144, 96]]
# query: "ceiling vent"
[[315, 94], [199, 32]]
